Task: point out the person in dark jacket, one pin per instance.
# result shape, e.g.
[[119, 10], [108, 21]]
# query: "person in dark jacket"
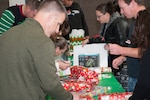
[[130, 9], [114, 27], [76, 18]]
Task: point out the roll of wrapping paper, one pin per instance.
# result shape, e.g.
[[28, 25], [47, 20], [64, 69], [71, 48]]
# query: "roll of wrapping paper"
[[96, 91], [101, 69], [105, 69]]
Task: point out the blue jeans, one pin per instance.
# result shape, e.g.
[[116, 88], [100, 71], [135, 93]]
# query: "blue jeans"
[[131, 84]]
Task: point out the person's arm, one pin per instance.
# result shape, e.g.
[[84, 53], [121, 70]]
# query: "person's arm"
[[75, 96], [46, 71], [118, 61], [6, 21], [62, 64], [124, 51], [131, 52], [92, 40], [84, 42]]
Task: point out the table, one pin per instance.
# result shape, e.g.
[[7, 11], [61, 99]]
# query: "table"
[[107, 80]]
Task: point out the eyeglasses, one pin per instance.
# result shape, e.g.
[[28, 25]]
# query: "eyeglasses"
[[99, 16]]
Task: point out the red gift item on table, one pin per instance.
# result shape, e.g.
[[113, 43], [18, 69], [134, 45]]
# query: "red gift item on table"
[[81, 79], [84, 74], [86, 97], [115, 96], [77, 86]]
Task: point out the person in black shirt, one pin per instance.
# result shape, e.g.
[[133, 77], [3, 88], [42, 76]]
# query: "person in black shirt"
[[76, 18], [142, 33], [130, 9]]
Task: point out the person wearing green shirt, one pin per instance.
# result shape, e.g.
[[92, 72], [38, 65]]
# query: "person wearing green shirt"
[[15, 15], [27, 63]]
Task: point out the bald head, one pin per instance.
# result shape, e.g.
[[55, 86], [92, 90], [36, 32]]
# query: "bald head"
[[51, 14], [52, 5]]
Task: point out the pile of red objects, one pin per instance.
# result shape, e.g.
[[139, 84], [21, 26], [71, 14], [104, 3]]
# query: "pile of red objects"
[[115, 96], [84, 74], [77, 86], [81, 79]]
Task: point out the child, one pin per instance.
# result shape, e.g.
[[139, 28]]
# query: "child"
[[61, 46]]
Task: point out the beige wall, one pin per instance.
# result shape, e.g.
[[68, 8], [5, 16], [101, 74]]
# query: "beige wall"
[[3, 5], [88, 7], [14, 2]]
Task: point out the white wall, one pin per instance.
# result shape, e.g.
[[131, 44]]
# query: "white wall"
[[14, 2]]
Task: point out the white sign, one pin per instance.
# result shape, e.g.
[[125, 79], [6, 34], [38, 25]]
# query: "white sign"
[[90, 49], [16, 2]]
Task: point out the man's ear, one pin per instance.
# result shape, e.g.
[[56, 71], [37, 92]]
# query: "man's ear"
[[132, 3]]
